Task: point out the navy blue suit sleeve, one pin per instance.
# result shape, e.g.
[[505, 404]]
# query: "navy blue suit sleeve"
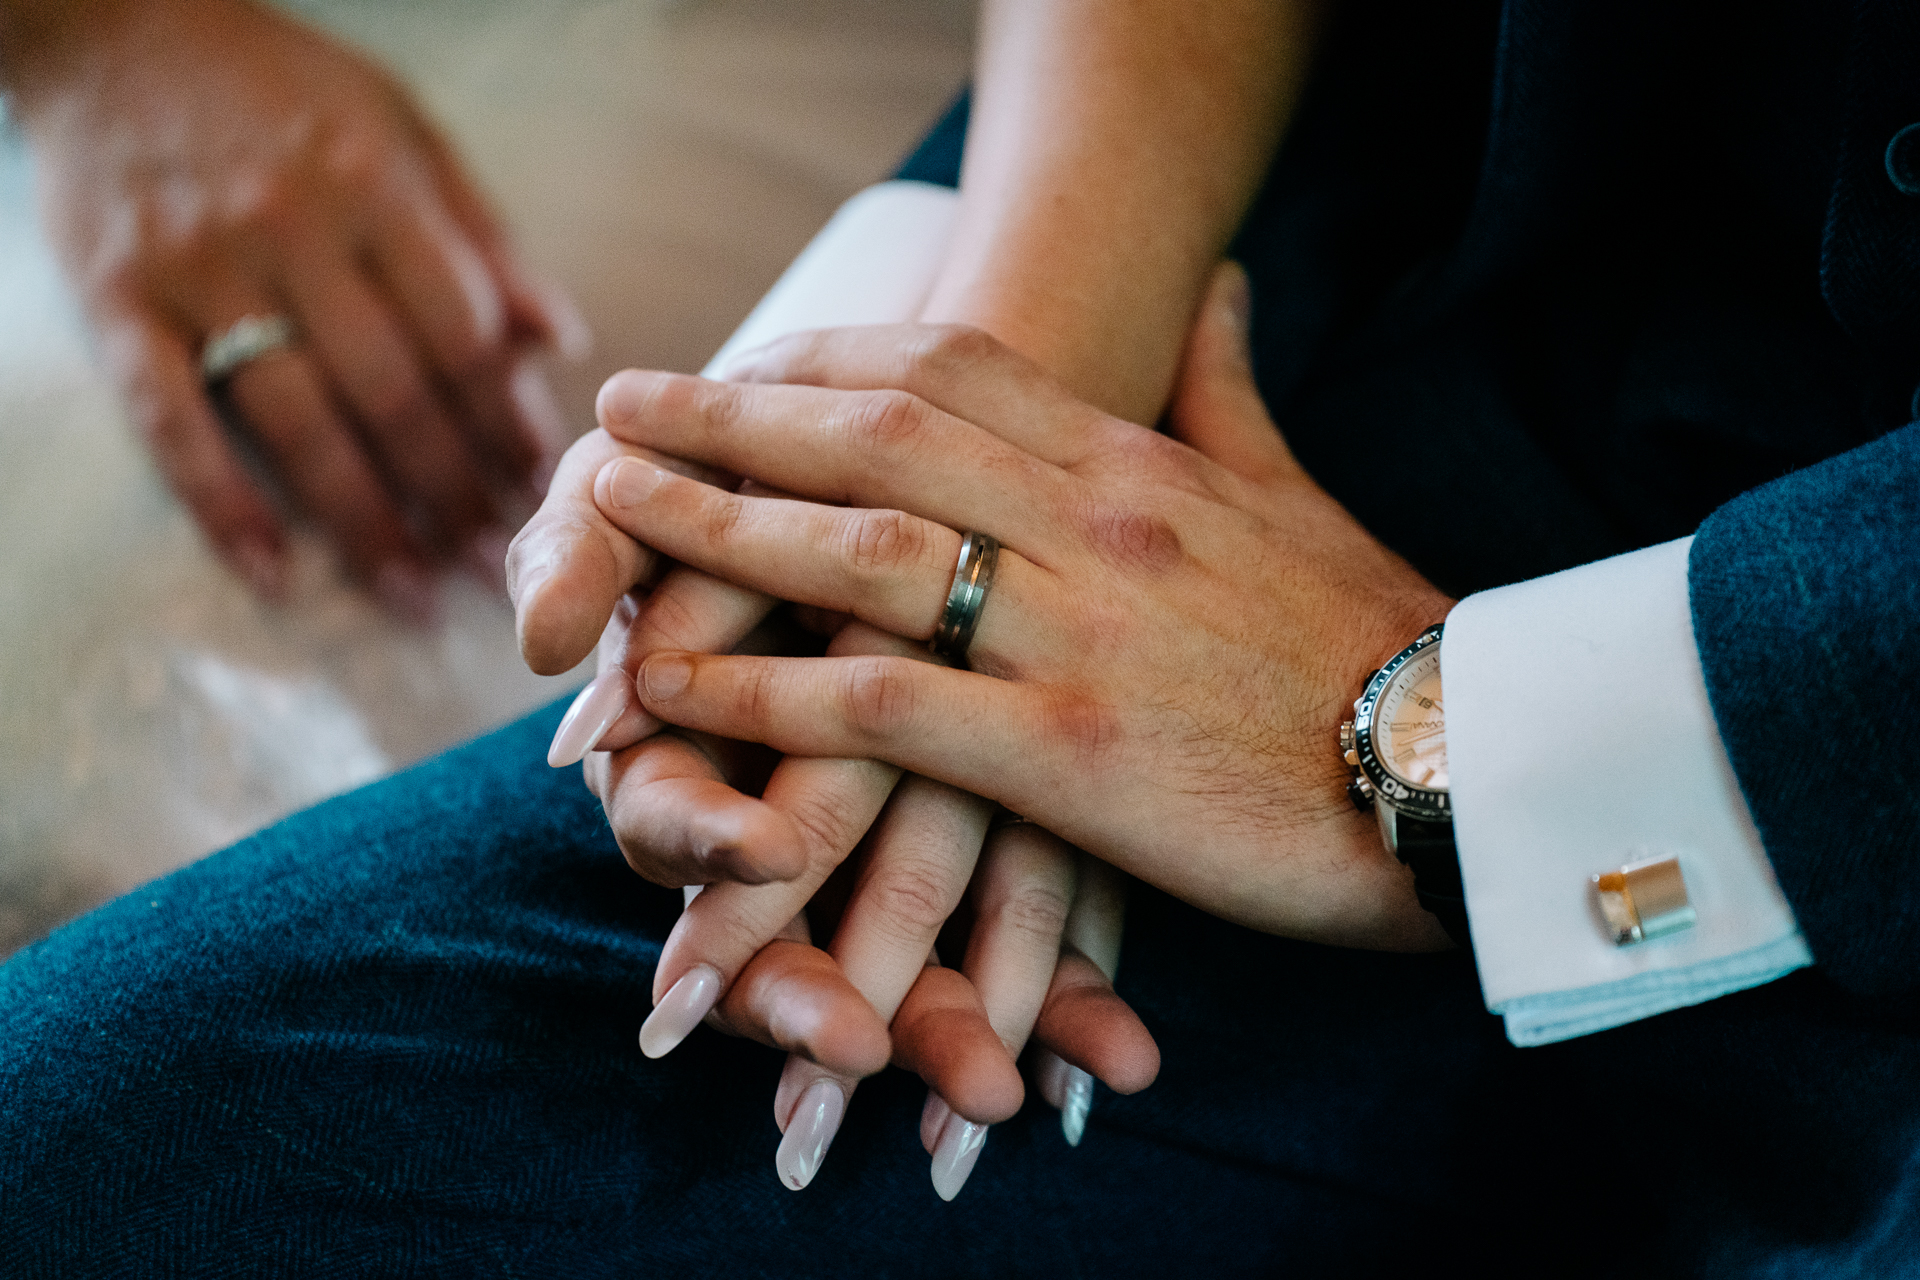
[[1806, 608]]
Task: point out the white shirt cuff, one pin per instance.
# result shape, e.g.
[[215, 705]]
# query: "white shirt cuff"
[[875, 262], [1579, 738]]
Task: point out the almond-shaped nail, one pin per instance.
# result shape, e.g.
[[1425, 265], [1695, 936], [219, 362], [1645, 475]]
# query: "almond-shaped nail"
[[589, 718], [680, 1010], [631, 482], [1050, 1078], [809, 1133], [933, 1120], [958, 1152], [1074, 1106]]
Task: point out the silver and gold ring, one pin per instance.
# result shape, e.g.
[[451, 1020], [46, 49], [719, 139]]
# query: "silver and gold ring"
[[972, 578], [241, 343]]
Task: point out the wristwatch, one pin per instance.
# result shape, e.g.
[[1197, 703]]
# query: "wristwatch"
[[1396, 745]]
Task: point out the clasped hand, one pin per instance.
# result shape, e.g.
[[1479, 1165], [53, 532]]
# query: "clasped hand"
[[1175, 630]]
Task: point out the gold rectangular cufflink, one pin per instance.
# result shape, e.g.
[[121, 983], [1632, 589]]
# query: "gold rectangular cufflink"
[[1644, 900]]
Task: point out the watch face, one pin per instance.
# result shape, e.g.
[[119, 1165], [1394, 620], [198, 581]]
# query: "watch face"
[[1410, 727]]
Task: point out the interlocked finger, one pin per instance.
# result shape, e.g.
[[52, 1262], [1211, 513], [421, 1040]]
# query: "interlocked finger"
[[1020, 903], [569, 566]]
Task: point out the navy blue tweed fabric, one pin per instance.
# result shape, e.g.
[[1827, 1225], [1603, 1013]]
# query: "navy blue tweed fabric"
[[394, 1036], [1806, 600]]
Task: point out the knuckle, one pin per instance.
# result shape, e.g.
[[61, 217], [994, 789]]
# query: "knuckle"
[[1131, 539], [950, 349], [1086, 729], [880, 696], [1035, 907], [668, 622], [881, 541], [825, 825], [716, 406], [758, 695], [914, 895], [885, 422], [720, 518]]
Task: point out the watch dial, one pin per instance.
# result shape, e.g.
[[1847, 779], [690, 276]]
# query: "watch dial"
[[1410, 726]]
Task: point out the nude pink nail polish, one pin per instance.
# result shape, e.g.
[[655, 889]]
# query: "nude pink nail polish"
[[1078, 1101], [680, 1010], [958, 1152], [933, 1120], [809, 1133], [589, 718]]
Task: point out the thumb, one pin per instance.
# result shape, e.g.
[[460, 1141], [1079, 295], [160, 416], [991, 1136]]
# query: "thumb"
[[1216, 407]]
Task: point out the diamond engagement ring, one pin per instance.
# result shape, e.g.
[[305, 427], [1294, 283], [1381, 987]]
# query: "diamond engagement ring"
[[245, 340]]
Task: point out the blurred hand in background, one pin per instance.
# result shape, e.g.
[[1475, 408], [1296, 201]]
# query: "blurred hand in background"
[[212, 168]]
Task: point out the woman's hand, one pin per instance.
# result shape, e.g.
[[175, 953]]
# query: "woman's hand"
[[1170, 644], [201, 161], [1038, 955]]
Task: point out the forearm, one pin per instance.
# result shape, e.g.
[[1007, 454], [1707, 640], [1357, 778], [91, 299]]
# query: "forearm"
[[1113, 149]]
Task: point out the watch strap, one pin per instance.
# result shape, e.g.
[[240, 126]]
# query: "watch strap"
[[1428, 848]]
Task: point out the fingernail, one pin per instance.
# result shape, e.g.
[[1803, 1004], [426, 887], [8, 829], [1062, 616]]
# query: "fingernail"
[[632, 482], [933, 1119], [680, 1010], [1050, 1077], [665, 676], [619, 399], [1079, 1101], [809, 1134], [958, 1152], [264, 570], [407, 593], [588, 720]]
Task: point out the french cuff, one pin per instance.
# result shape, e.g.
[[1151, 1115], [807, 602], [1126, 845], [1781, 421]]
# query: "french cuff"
[[875, 262], [1580, 742]]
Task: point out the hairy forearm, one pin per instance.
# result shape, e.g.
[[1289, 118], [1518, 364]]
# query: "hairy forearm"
[[1113, 149]]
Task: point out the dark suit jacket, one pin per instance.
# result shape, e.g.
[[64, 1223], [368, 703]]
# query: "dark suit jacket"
[[1545, 282]]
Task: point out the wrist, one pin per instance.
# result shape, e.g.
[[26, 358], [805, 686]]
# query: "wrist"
[[1395, 746]]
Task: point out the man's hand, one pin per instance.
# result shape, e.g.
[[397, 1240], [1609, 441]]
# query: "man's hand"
[[1037, 959], [202, 161], [1170, 644]]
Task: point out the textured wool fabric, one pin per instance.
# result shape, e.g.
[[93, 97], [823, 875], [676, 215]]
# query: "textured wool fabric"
[[1806, 599], [394, 1035]]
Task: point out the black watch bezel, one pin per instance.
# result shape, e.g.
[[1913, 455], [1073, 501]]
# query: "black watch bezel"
[[1416, 802]]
